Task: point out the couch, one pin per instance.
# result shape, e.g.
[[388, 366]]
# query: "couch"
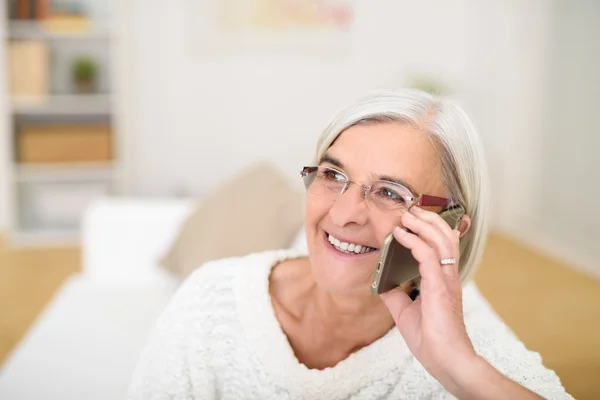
[[87, 341]]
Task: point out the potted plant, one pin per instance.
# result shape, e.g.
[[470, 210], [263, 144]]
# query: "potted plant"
[[428, 83], [85, 74]]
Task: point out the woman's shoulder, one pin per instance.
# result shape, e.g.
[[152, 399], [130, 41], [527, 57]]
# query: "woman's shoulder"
[[220, 277], [201, 325], [233, 266], [209, 293]]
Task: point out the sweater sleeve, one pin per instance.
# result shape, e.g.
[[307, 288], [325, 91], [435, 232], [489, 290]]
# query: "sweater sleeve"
[[164, 370], [495, 342]]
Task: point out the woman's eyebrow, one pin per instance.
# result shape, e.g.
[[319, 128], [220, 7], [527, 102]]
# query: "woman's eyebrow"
[[330, 160]]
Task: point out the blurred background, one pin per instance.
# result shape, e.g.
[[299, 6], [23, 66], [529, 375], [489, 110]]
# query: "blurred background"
[[117, 118]]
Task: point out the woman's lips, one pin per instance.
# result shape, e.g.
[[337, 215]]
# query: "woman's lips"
[[342, 254]]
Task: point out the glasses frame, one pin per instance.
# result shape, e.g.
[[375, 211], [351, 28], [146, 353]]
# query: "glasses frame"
[[421, 200]]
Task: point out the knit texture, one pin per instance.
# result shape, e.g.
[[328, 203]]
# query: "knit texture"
[[219, 338]]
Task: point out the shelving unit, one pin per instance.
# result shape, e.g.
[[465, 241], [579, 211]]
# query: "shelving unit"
[[50, 172], [33, 30], [51, 179], [63, 104]]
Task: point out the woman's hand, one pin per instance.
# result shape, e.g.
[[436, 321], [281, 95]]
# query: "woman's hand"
[[433, 325]]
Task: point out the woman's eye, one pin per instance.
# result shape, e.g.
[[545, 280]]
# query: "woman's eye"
[[333, 176], [390, 194]]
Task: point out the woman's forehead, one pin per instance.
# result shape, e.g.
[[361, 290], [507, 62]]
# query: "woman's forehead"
[[390, 149]]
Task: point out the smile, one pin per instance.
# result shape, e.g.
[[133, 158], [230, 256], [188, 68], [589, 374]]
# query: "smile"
[[349, 248]]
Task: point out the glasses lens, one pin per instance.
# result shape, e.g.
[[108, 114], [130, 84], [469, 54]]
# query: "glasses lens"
[[323, 181], [388, 196]]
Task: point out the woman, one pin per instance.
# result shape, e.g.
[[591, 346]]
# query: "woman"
[[284, 325]]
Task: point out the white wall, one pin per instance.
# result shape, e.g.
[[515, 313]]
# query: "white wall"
[[194, 114], [565, 222], [509, 63], [570, 182], [537, 71], [199, 119], [193, 119]]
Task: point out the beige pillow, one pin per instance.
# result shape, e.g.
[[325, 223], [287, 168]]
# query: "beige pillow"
[[255, 211]]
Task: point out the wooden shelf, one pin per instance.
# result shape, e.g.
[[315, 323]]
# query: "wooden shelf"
[[65, 172], [63, 104], [35, 30]]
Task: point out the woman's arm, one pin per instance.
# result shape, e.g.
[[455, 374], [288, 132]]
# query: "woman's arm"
[[433, 325], [477, 379]]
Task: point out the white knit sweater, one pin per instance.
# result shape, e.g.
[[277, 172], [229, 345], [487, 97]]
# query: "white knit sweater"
[[219, 339]]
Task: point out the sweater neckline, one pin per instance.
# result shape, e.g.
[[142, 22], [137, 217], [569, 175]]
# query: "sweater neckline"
[[271, 346]]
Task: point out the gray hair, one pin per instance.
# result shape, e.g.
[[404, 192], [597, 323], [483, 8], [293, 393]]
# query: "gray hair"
[[464, 170]]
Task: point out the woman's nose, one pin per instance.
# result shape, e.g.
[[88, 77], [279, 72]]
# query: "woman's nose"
[[350, 206]]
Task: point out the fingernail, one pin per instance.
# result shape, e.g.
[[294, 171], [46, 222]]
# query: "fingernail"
[[415, 209], [400, 229]]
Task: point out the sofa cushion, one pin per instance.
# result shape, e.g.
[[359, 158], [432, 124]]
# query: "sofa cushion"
[[124, 239], [256, 211]]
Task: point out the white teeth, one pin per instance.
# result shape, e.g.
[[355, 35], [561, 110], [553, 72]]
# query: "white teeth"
[[349, 248]]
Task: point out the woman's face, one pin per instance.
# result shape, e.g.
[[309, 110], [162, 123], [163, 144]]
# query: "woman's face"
[[365, 153]]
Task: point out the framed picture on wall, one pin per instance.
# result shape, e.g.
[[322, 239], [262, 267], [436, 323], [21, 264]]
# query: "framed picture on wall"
[[297, 26]]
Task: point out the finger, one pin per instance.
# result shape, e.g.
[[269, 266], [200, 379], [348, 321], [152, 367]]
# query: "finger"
[[447, 248], [434, 219], [429, 263], [431, 234], [396, 301]]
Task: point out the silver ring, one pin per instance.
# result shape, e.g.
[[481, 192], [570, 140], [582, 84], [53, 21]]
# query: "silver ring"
[[448, 261]]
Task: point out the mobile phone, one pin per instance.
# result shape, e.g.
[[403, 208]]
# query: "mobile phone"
[[396, 263]]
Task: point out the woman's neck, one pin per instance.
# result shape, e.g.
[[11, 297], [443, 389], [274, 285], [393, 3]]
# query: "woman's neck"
[[359, 315], [323, 327]]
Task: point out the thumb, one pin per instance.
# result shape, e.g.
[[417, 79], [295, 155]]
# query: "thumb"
[[396, 301]]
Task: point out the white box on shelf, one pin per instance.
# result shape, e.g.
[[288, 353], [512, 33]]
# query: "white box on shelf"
[[48, 205]]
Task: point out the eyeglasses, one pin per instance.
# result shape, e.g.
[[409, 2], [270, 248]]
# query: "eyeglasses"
[[329, 183]]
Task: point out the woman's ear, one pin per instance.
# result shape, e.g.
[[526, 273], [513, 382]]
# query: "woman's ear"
[[465, 224]]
